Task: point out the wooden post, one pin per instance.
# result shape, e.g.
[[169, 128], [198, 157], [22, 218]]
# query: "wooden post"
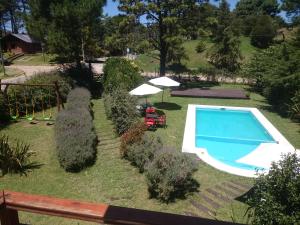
[[9, 217]]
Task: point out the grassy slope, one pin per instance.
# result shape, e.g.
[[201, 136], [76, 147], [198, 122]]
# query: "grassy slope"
[[34, 60], [196, 60], [114, 181]]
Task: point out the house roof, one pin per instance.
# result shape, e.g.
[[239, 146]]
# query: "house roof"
[[25, 37]]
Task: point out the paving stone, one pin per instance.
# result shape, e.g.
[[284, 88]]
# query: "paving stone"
[[218, 195], [202, 208], [238, 186], [209, 201], [228, 191]]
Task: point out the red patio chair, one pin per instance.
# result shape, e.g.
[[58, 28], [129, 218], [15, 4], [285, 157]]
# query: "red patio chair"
[[162, 121]]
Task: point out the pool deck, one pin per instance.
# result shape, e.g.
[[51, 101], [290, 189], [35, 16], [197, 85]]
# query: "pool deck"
[[210, 93], [262, 156]]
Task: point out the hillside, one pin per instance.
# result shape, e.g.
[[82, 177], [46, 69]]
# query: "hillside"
[[150, 63]]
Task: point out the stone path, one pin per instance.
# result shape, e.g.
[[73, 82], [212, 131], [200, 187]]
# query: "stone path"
[[207, 203]]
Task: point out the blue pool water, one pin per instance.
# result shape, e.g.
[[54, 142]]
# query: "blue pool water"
[[229, 135]]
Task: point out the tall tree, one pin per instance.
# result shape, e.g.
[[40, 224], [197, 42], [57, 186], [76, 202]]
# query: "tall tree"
[[263, 32], [292, 7], [226, 54], [165, 22], [67, 27]]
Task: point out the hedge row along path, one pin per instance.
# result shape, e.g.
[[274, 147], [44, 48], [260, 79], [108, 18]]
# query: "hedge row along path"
[[207, 203]]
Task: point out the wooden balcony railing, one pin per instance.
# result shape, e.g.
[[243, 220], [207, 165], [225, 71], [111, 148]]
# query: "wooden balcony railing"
[[12, 202]]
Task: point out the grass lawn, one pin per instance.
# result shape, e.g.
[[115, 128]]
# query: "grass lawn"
[[113, 180], [34, 60], [150, 63], [10, 72]]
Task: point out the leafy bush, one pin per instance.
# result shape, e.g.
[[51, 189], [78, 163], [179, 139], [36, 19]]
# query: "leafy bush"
[[15, 158], [120, 73], [142, 153], [79, 98], [200, 47], [133, 135], [170, 175], [123, 110], [75, 135], [4, 109], [263, 32], [107, 99], [40, 97], [276, 195]]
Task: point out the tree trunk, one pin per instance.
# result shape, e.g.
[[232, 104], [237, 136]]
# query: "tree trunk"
[[163, 60]]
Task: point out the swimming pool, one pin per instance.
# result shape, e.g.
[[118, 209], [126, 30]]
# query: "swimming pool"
[[234, 139]]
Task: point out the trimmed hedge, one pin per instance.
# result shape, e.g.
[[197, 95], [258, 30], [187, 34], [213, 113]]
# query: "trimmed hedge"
[[122, 108], [76, 139], [120, 73], [169, 175]]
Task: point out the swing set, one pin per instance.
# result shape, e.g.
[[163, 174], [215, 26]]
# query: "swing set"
[[30, 99]]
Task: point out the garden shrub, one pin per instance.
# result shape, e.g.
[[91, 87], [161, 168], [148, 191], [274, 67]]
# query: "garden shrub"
[[200, 47], [79, 98], [133, 135], [123, 110], [107, 98], [120, 73], [142, 153], [276, 195], [75, 136], [169, 175], [15, 158]]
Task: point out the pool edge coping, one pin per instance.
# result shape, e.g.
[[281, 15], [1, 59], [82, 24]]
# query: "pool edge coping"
[[188, 144]]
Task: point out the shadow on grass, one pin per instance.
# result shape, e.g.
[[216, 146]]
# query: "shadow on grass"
[[178, 68], [167, 106]]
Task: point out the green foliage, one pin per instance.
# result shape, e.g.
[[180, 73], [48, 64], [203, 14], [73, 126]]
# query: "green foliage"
[[166, 28], [142, 152], [120, 73], [132, 136], [277, 74], [201, 47], [257, 7], [74, 133], [276, 195], [4, 111], [39, 97], [122, 108], [69, 28], [263, 32], [295, 106], [79, 98], [226, 53], [169, 175], [15, 158]]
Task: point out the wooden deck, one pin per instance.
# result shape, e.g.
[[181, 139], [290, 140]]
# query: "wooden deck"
[[210, 93]]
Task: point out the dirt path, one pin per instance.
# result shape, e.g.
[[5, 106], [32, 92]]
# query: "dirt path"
[[29, 71]]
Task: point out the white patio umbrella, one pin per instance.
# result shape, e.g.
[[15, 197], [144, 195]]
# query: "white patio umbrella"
[[145, 90], [164, 82]]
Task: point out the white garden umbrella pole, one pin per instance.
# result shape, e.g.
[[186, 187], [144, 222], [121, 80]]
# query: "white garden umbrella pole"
[[164, 82]]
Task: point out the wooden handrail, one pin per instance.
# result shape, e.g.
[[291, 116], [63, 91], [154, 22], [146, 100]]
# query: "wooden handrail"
[[13, 202]]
